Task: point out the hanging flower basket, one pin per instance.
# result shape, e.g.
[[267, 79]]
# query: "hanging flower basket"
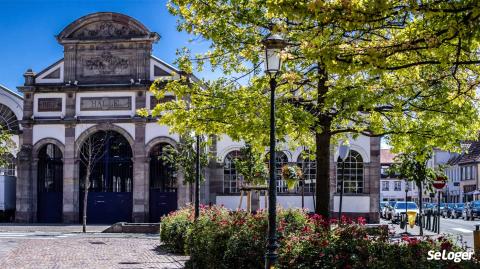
[[292, 175]]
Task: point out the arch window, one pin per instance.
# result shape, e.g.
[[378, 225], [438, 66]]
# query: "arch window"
[[8, 119], [232, 181], [113, 170], [353, 173], [281, 159], [309, 169], [162, 175], [50, 169], [9, 167]]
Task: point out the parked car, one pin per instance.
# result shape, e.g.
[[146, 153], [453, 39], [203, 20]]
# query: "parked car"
[[457, 210], [388, 210], [435, 207], [447, 210], [471, 210], [382, 206], [403, 207]]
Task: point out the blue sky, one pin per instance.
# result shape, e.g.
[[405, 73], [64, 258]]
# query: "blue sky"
[[29, 28]]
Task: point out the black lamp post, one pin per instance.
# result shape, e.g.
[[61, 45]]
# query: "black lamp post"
[[343, 151], [197, 177], [406, 206], [273, 62]]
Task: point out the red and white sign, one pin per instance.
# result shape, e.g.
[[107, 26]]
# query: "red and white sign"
[[439, 182]]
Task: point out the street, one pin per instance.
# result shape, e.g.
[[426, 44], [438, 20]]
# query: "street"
[[460, 230]]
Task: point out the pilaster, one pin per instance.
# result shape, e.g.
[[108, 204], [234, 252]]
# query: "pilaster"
[[140, 181]]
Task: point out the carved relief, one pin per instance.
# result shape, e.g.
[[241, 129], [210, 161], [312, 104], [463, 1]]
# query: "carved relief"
[[106, 64], [102, 30]]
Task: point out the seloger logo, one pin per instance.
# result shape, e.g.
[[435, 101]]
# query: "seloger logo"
[[444, 255]]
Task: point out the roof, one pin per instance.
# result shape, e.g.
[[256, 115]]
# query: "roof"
[[472, 154], [14, 94], [386, 156]]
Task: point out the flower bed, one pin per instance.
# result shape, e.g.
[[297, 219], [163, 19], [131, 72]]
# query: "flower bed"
[[235, 239]]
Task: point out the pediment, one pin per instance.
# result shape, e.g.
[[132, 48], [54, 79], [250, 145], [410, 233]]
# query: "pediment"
[[105, 26], [52, 74], [161, 70]]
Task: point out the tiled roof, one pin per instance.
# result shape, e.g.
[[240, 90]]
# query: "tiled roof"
[[472, 154], [386, 156]]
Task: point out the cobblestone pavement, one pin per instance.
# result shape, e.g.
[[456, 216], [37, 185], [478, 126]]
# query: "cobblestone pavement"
[[74, 228], [84, 251]]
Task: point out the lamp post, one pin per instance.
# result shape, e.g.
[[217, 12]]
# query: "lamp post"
[[406, 206], [343, 151], [273, 45], [197, 177]]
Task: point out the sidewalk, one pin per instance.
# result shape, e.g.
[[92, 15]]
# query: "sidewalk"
[[39, 227]]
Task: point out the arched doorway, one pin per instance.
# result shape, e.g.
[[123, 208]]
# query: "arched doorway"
[[163, 185], [50, 184], [111, 181]]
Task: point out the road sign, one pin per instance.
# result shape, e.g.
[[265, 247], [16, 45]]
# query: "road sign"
[[439, 182]]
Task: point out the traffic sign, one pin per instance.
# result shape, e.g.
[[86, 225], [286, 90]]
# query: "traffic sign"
[[439, 182]]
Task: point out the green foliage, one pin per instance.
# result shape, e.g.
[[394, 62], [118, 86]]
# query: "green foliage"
[[6, 144], [413, 167], [183, 157], [224, 239], [405, 70], [251, 165], [396, 68], [173, 229]]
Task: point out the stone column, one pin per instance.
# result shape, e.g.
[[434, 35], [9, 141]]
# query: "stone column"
[[374, 179], [70, 184], [25, 191], [140, 181]]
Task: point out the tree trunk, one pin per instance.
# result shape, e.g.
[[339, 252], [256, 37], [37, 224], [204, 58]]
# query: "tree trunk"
[[322, 187], [420, 198], [85, 200], [322, 146]]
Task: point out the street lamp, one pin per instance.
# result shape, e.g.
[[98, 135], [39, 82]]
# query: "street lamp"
[[406, 206], [197, 177], [343, 151], [273, 45]]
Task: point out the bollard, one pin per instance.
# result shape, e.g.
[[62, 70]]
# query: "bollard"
[[476, 239]]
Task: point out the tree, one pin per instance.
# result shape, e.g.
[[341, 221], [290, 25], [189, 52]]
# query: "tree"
[[405, 70], [182, 158], [251, 165], [6, 144], [91, 152], [413, 167]]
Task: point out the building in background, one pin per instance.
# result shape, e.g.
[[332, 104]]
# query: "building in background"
[[392, 186]]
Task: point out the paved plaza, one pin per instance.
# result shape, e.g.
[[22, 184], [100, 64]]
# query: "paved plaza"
[[45, 248]]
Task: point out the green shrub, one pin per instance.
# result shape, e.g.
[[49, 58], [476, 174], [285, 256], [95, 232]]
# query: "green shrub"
[[173, 229], [222, 239]]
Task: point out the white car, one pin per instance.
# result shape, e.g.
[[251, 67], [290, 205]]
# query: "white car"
[[402, 207]]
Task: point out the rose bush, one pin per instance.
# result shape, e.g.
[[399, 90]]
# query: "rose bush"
[[236, 239]]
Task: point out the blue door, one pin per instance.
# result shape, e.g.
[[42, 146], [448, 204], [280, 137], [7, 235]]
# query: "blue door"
[[107, 207], [110, 196], [163, 190], [161, 203], [49, 184]]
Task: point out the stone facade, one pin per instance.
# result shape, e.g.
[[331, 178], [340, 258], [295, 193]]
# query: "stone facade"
[[102, 80]]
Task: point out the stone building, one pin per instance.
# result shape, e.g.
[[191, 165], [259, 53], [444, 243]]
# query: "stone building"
[[94, 91]]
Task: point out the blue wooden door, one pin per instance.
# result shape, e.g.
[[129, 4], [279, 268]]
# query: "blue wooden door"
[[49, 207], [107, 207], [161, 203]]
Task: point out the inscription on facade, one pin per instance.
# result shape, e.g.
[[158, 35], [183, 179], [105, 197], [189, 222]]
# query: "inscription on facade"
[[49, 104], [105, 103]]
